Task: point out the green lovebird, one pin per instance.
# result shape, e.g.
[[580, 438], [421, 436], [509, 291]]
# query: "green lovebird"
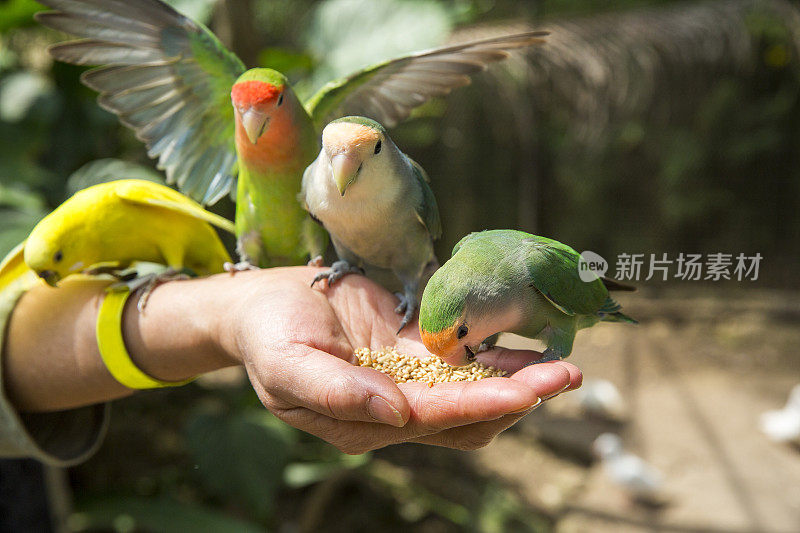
[[377, 206], [508, 280], [172, 81]]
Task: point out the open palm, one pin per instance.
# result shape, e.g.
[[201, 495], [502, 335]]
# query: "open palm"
[[297, 345]]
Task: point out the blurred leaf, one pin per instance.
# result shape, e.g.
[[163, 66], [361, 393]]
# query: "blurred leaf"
[[20, 210], [198, 10], [299, 475], [19, 91], [20, 199], [15, 229], [346, 35], [291, 64], [241, 455], [110, 169], [17, 13], [121, 513]]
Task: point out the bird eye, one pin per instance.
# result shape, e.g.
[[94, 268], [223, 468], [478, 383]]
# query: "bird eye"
[[58, 256], [462, 331], [378, 148], [280, 99]]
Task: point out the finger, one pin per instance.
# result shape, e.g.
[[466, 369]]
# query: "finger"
[[452, 404], [508, 359], [548, 379], [575, 375], [472, 436], [433, 409], [333, 387]]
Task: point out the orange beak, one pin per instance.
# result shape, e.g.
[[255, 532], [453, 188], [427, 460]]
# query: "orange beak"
[[443, 343]]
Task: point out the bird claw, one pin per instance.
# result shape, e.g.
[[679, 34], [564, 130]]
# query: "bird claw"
[[149, 282], [407, 308], [547, 356], [241, 266], [338, 270], [488, 343], [401, 308]]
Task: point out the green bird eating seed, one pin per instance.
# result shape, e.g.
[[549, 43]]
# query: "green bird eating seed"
[[511, 281]]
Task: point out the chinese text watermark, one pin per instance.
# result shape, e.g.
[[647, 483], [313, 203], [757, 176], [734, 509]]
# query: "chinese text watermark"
[[686, 267]]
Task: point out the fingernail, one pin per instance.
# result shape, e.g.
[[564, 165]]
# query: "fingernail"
[[528, 408], [557, 393], [382, 411]]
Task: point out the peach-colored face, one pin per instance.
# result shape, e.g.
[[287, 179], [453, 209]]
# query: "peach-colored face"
[[346, 137], [347, 146], [447, 345]]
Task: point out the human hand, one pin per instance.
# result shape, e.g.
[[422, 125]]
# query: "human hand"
[[297, 346]]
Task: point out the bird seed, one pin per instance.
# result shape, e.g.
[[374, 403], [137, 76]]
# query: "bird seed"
[[403, 368]]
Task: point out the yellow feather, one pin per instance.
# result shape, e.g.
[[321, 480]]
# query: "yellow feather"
[[124, 221], [13, 268]]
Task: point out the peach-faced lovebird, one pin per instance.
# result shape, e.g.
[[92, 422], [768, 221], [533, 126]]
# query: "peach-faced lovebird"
[[508, 280], [172, 81], [376, 204]]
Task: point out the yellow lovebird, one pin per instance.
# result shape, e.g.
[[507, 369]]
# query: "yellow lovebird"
[[107, 227]]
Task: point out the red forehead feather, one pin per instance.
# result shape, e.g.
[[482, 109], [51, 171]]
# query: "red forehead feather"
[[253, 92]]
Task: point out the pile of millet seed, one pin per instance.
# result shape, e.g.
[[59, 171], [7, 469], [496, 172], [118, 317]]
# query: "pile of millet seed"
[[403, 368]]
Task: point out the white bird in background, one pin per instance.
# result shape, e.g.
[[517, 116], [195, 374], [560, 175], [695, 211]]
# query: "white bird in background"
[[599, 397], [630, 472], [783, 425]]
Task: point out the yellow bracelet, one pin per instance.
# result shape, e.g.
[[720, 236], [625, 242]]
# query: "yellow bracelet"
[[112, 346]]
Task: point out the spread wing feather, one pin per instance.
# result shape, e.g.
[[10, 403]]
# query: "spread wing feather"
[[389, 91], [167, 77]]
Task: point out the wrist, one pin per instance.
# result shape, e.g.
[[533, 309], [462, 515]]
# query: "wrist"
[[176, 336]]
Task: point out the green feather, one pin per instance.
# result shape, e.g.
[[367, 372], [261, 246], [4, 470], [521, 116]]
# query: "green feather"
[[267, 75], [553, 269]]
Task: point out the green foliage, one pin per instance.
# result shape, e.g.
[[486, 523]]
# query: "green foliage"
[[20, 211], [127, 514], [109, 169], [241, 455], [346, 35], [16, 13]]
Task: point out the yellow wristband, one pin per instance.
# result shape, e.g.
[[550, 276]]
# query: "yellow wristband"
[[112, 346]]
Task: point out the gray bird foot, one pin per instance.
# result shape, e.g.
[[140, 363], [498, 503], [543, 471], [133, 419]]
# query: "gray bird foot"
[[316, 262], [241, 266], [407, 307], [547, 356], [338, 270], [488, 343], [149, 282]]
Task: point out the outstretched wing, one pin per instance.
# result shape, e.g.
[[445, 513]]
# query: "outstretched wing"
[[387, 92], [428, 209], [165, 76], [553, 269]]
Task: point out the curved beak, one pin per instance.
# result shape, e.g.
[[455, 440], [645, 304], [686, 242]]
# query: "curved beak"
[[255, 124], [345, 169], [50, 276]]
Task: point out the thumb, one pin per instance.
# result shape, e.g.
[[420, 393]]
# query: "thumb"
[[328, 385]]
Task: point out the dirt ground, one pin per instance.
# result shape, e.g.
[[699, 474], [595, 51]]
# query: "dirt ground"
[[696, 374]]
